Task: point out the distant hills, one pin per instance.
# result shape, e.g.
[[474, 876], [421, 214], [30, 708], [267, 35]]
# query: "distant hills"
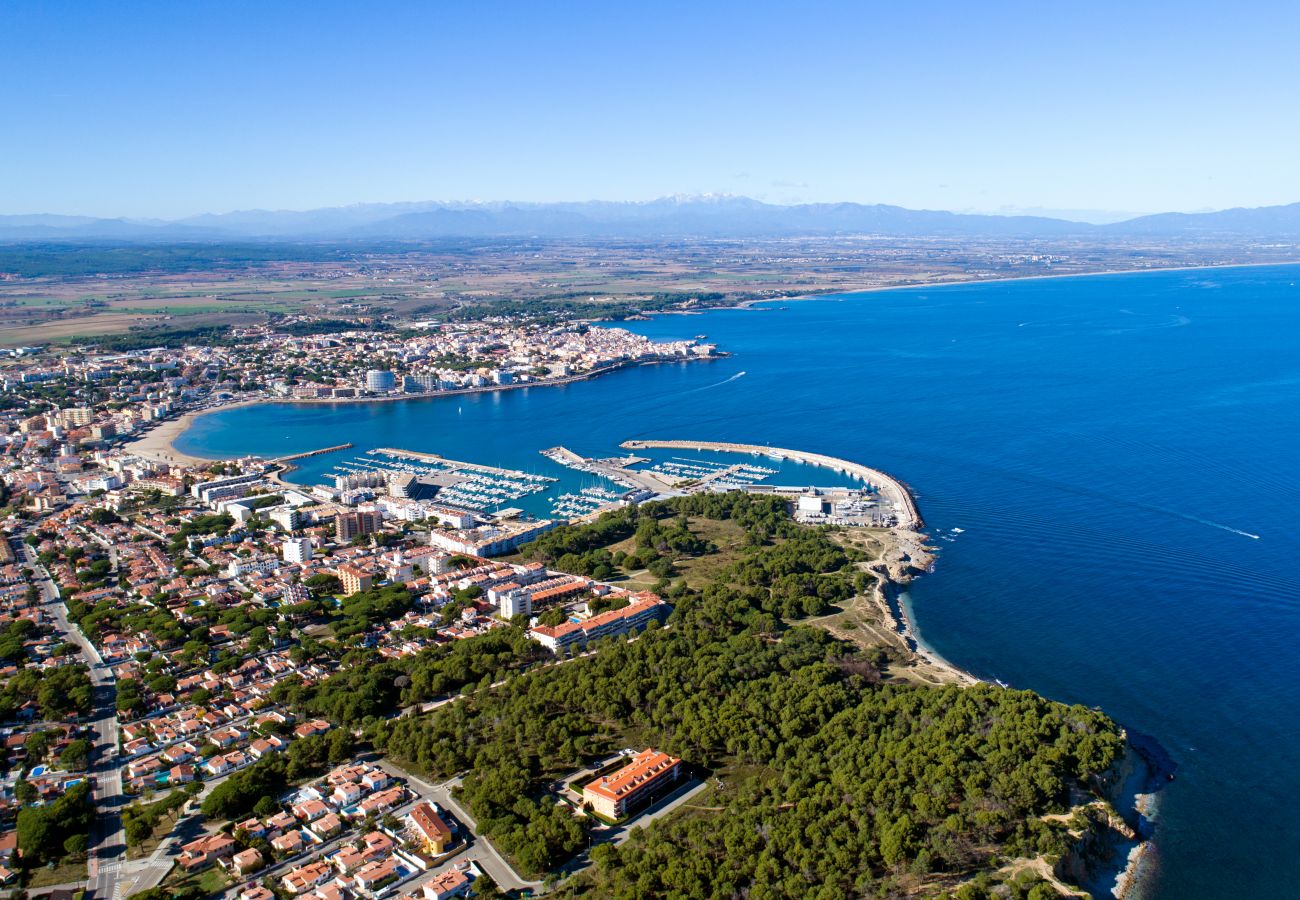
[[707, 216]]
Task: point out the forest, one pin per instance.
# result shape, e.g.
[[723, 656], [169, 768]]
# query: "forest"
[[828, 780]]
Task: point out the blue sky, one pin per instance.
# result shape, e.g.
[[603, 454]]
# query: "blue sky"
[[169, 109]]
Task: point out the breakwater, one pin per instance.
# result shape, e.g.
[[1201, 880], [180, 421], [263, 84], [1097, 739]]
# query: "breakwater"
[[889, 487]]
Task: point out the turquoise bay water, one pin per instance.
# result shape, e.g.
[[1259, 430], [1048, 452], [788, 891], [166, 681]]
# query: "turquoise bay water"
[[1109, 447]]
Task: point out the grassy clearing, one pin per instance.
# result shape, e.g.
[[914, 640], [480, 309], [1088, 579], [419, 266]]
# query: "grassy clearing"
[[210, 881], [696, 571], [63, 873]]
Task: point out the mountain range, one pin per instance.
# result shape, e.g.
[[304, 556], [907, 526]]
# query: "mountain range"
[[706, 216]]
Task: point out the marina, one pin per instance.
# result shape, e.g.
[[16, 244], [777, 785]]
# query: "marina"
[[463, 485]]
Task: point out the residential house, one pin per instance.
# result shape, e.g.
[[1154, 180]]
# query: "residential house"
[[304, 878], [205, 851], [445, 885]]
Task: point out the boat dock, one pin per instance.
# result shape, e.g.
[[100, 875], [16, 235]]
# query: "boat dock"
[[456, 464], [614, 470]]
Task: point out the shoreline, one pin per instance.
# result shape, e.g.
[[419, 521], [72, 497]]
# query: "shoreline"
[[159, 444], [162, 448], [1001, 279], [903, 557]]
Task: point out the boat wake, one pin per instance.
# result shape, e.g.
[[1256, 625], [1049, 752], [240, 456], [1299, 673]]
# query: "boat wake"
[[1229, 528], [740, 374]]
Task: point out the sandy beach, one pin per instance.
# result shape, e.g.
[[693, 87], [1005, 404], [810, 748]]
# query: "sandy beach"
[[159, 443], [937, 283]]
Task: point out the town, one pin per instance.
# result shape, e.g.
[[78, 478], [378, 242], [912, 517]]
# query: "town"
[[174, 633]]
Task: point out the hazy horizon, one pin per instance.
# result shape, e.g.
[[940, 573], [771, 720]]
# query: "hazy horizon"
[[1084, 216]]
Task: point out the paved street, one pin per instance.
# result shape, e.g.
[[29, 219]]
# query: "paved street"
[[107, 840]]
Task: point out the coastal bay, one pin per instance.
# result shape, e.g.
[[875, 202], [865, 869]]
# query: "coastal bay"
[[1091, 456]]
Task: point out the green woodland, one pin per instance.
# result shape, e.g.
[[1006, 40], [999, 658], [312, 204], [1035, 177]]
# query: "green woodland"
[[827, 780]]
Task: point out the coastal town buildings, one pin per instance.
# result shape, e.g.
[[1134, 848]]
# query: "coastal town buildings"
[[216, 597]]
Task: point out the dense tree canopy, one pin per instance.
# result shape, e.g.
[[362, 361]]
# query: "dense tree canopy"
[[834, 783]]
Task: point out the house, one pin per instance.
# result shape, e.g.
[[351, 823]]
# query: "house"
[[304, 878], [346, 794], [205, 851], [246, 862], [254, 828], [326, 826], [257, 892], [262, 747], [613, 795], [177, 753], [347, 860], [435, 835], [289, 843], [280, 823], [310, 810], [218, 765], [315, 726], [376, 844], [330, 891], [8, 846], [375, 875], [452, 883], [381, 802], [374, 779], [225, 737]]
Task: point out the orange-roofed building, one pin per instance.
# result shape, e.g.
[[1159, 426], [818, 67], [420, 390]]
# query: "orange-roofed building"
[[645, 607], [434, 832], [613, 795]]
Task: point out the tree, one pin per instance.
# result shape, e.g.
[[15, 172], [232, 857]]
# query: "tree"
[[37, 746], [25, 792], [340, 746], [137, 830], [75, 845], [76, 755], [42, 830]]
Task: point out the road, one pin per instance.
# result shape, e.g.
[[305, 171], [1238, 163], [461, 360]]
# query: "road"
[[107, 839], [480, 849]]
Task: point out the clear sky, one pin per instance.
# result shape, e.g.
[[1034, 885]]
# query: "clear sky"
[[174, 108]]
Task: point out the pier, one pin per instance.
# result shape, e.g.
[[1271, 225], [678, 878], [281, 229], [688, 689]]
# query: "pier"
[[321, 452], [890, 488], [613, 470]]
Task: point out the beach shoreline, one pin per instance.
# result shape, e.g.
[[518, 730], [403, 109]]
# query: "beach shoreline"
[[966, 282], [159, 444]]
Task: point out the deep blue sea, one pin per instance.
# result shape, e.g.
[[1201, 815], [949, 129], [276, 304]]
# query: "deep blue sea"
[[1120, 452]]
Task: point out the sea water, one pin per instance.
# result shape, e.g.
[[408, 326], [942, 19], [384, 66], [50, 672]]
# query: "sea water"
[[1108, 465]]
